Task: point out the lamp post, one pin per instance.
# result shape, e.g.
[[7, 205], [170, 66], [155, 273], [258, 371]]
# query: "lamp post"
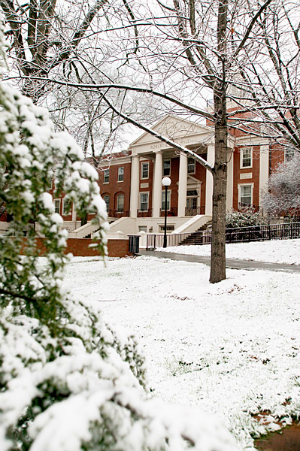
[[166, 181]]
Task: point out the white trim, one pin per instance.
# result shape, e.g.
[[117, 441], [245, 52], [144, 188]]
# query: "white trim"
[[134, 186], [200, 129], [194, 162], [63, 208], [170, 228], [117, 197], [242, 149], [239, 191], [209, 180], [122, 174], [59, 202], [146, 163], [263, 171], [140, 200], [105, 170]]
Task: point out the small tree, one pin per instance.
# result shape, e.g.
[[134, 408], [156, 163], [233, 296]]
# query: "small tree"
[[283, 195], [68, 382]]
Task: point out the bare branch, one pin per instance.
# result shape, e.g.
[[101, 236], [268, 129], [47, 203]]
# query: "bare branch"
[[161, 137]]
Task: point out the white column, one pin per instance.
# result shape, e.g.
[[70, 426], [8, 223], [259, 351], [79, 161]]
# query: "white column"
[[134, 187], [182, 185], [229, 194], [157, 186], [263, 170], [209, 180], [74, 214]]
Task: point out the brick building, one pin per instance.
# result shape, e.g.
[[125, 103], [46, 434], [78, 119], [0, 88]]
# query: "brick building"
[[131, 182]]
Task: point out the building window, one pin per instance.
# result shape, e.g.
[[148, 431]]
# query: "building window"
[[170, 228], [121, 174], [246, 195], [167, 167], [66, 206], [120, 203], [191, 166], [49, 184], [191, 201], [144, 199], [289, 154], [145, 170], [246, 157], [163, 197], [57, 206], [106, 200], [106, 176]]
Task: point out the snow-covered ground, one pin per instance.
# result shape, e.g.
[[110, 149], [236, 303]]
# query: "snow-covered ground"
[[232, 349], [277, 251]]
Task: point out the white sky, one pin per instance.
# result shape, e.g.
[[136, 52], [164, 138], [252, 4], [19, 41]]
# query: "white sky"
[[231, 349]]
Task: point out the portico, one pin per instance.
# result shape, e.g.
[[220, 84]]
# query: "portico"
[[192, 185]]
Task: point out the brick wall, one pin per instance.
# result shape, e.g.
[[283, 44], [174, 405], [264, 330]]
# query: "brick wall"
[[252, 174], [113, 188], [79, 247]]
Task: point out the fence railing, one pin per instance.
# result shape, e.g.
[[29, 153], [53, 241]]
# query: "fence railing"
[[195, 211], [233, 235], [118, 214], [155, 240], [144, 213]]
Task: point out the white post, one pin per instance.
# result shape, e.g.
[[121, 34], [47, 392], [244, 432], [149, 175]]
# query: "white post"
[[263, 170], [158, 170], [229, 194], [182, 186], [209, 180], [134, 188], [74, 215]]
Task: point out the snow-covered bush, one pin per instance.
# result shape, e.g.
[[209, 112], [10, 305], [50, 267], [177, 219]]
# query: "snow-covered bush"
[[244, 219], [68, 382], [283, 195]]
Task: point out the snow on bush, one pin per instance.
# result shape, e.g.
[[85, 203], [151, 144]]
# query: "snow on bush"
[[68, 382], [283, 195], [244, 219]]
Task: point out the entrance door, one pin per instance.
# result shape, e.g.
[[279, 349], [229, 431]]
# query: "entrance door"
[[191, 203]]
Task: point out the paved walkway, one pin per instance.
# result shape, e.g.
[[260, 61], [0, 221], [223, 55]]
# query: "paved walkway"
[[230, 262]]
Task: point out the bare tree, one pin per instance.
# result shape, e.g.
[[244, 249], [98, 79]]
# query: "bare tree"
[[181, 52], [270, 84], [55, 39], [189, 48], [45, 34]]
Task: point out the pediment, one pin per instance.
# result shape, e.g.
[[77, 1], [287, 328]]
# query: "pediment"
[[173, 128]]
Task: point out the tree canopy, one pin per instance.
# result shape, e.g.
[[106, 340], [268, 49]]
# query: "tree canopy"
[[68, 381]]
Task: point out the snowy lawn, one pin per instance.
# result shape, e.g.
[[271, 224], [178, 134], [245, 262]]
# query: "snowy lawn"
[[277, 251], [232, 349]]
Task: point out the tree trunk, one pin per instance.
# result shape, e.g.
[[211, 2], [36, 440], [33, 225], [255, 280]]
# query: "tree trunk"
[[218, 257]]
